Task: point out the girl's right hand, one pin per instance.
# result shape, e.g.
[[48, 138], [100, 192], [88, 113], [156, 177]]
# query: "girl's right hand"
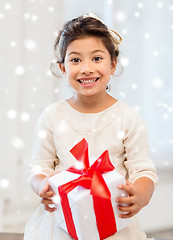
[[46, 195]]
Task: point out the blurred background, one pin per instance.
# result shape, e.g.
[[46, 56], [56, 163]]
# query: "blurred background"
[[27, 34]]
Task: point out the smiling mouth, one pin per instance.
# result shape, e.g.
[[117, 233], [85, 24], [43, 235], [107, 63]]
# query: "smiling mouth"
[[88, 80]]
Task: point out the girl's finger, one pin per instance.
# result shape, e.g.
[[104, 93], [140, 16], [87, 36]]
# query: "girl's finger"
[[49, 209], [126, 209], [125, 200], [47, 201], [127, 215], [46, 194], [127, 188]]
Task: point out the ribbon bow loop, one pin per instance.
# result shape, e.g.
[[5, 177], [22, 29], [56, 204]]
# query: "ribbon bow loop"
[[80, 152]]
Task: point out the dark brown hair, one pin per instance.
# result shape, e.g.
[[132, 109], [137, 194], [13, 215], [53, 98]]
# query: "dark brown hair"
[[84, 26]]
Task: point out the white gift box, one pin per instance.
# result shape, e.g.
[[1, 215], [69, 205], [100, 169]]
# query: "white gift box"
[[81, 204]]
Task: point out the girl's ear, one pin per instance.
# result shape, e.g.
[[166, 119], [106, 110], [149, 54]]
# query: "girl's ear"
[[62, 68], [113, 65]]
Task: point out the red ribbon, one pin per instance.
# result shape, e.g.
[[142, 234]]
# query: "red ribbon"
[[91, 178]]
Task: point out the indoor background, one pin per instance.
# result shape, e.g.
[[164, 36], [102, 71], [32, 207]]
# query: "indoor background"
[[144, 80]]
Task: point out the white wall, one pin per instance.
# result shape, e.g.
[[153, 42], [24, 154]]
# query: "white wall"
[[157, 216], [27, 35]]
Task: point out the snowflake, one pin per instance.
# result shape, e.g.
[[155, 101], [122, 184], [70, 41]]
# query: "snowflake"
[[134, 86], [56, 90], [18, 211], [124, 61], [109, 1], [157, 83], [160, 5], [11, 114], [26, 15], [1, 15], [120, 134], [25, 117], [171, 8], [137, 14], [42, 134], [34, 89], [48, 73], [4, 183], [124, 31], [18, 143], [34, 18], [37, 169], [56, 199], [137, 108], [120, 16], [19, 70], [7, 6], [122, 94], [63, 127], [166, 163], [165, 116], [153, 150], [155, 53], [51, 9], [147, 35], [140, 5], [13, 44], [30, 44]]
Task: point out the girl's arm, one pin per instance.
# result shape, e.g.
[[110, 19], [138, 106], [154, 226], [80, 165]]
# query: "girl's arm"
[[139, 195], [41, 187]]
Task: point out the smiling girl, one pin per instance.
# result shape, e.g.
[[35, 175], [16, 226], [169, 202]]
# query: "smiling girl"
[[87, 56]]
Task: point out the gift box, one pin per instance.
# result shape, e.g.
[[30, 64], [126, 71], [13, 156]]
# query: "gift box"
[[86, 197]]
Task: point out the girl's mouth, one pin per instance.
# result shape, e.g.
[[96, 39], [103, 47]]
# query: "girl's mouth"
[[88, 81]]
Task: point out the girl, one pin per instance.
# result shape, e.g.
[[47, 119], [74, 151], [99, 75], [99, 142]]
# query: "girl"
[[87, 56]]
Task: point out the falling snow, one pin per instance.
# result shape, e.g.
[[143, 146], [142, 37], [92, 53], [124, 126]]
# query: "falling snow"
[[17, 143], [140, 38], [7, 6], [121, 134], [11, 114], [19, 70], [120, 16], [137, 14], [4, 183], [124, 61], [147, 35], [30, 44], [157, 83], [25, 117], [13, 44], [140, 5], [42, 134]]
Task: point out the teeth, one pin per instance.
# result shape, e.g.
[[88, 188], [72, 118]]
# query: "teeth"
[[88, 81]]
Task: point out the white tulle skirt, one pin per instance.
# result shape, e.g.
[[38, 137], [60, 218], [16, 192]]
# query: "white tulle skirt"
[[43, 225]]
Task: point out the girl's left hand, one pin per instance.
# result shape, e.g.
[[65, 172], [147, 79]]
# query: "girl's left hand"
[[131, 204]]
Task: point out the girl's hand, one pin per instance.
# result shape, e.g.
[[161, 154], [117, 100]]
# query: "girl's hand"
[[46, 195], [133, 203]]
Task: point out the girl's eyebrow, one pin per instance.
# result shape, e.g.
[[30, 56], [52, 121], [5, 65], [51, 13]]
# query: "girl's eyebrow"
[[98, 50], [78, 53], [73, 53]]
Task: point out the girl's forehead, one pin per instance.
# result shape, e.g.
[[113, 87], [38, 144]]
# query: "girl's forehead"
[[87, 42]]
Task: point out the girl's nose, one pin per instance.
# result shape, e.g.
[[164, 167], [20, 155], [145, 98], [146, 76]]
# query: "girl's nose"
[[87, 68]]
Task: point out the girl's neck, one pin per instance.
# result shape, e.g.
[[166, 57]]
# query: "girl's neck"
[[91, 104]]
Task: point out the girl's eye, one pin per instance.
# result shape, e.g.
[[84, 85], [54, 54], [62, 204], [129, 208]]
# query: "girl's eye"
[[96, 59], [75, 60]]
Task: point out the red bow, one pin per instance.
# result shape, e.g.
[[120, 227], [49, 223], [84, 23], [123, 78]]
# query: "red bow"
[[91, 178]]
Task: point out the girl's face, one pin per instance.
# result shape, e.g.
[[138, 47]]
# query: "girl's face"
[[88, 66]]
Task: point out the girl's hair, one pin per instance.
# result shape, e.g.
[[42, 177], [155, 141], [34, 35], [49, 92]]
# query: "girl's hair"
[[85, 26]]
